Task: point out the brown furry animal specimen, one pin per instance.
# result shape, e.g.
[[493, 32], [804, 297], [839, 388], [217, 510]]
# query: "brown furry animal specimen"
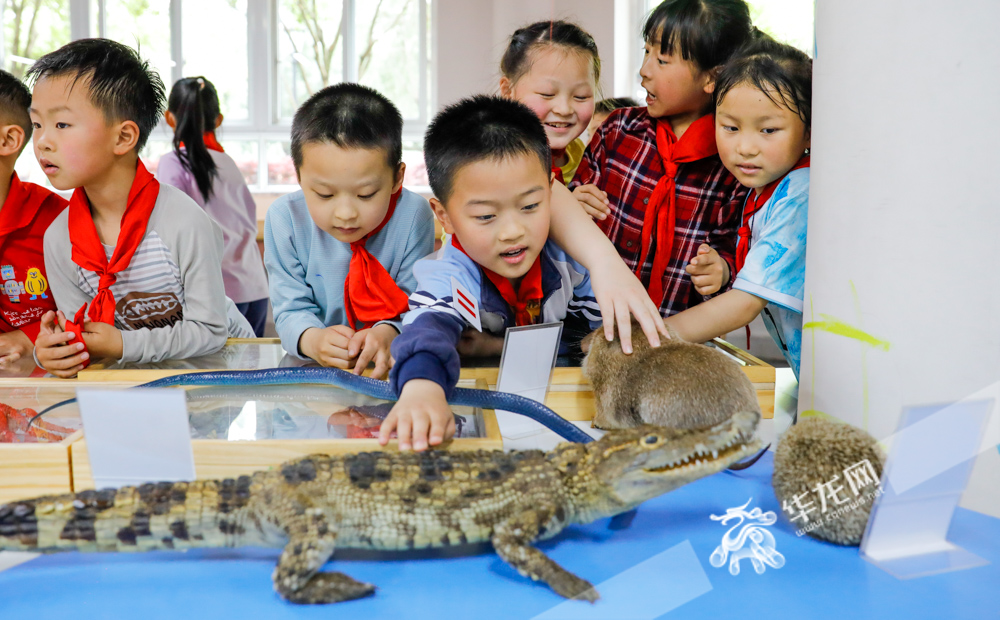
[[679, 384], [815, 452]]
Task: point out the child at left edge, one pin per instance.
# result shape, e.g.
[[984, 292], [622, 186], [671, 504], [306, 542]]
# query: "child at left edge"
[[489, 164], [340, 252], [27, 211], [138, 262]]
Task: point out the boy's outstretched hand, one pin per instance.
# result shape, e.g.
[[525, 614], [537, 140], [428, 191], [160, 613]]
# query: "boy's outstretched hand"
[[54, 348], [372, 344], [329, 346], [621, 296], [707, 270], [421, 417]]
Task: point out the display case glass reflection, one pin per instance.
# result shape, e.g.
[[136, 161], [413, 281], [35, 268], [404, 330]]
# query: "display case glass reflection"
[[238, 355], [18, 405], [255, 413], [233, 413]]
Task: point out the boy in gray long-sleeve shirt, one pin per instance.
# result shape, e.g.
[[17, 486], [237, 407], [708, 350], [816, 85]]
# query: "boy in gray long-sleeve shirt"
[[141, 261]]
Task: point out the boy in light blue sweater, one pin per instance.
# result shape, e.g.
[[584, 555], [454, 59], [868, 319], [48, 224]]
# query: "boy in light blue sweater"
[[340, 252]]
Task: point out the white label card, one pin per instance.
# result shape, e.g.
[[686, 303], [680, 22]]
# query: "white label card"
[[529, 355], [137, 435]]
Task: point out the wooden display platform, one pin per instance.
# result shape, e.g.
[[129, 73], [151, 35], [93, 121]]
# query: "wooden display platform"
[[32, 469], [220, 458]]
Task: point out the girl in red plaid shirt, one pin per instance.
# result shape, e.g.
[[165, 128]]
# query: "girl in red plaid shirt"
[[652, 176]]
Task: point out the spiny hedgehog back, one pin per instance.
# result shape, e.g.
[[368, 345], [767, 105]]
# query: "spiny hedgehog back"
[[815, 452]]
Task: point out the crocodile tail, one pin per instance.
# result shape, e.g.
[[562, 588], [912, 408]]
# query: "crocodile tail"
[[165, 515]]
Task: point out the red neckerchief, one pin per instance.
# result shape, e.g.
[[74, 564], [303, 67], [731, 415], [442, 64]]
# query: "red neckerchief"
[[88, 252], [527, 301], [210, 142], [752, 206], [698, 142], [370, 293], [21, 206], [556, 170]]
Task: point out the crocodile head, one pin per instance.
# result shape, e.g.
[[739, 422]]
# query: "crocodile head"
[[627, 467]]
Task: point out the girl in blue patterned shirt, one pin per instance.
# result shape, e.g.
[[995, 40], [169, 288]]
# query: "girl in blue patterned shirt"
[[762, 127]]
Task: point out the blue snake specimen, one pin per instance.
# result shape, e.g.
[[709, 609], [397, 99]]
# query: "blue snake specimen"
[[485, 399]]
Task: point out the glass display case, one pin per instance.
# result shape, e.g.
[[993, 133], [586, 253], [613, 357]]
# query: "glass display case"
[[268, 412], [238, 430], [235, 430]]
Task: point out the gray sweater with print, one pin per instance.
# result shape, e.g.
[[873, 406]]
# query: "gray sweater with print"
[[170, 302]]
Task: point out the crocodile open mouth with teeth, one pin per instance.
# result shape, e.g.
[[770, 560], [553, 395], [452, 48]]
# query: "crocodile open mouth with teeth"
[[728, 442]]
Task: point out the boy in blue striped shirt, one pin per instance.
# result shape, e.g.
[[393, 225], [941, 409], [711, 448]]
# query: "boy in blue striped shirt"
[[489, 164], [340, 252]]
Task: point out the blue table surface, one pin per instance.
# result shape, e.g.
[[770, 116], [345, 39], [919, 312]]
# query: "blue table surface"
[[658, 566]]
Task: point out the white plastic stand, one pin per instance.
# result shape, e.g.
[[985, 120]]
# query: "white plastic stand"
[[929, 465]]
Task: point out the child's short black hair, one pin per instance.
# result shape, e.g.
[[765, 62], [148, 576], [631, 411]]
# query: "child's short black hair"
[[122, 85], [782, 72], [705, 31], [478, 128], [351, 116], [607, 106], [15, 99]]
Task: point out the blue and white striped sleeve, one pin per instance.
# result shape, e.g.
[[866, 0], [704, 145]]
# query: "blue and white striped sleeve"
[[583, 306], [427, 346]]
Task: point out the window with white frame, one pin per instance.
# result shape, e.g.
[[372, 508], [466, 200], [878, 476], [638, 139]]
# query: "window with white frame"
[[265, 58]]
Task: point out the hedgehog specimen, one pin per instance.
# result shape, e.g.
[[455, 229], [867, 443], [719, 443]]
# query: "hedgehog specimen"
[[826, 476]]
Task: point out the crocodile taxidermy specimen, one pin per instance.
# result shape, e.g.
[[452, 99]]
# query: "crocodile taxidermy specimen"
[[389, 501]]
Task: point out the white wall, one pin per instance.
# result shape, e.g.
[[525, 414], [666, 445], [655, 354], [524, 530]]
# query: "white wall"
[[904, 216], [472, 35]]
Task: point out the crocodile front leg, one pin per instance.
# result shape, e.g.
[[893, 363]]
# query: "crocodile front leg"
[[512, 540], [296, 578]]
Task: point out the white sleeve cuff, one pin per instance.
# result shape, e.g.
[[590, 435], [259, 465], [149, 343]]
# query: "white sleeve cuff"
[[786, 301]]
